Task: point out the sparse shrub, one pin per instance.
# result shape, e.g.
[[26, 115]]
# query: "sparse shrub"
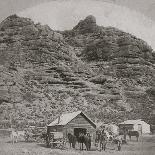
[[98, 80]]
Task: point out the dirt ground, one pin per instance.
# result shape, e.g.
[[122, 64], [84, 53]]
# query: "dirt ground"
[[145, 146]]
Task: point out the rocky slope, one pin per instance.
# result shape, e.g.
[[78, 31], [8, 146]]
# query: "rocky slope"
[[103, 71]]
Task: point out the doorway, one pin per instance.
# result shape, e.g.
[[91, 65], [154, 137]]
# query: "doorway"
[[77, 131], [140, 128]]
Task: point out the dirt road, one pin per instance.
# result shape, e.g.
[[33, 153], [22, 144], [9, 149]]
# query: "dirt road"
[[145, 146]]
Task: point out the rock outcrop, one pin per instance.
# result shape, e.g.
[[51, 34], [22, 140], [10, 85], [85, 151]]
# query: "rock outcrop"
[[91, 68]]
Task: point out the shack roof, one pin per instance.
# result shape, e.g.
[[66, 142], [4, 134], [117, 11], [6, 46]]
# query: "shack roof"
[[64, 119]]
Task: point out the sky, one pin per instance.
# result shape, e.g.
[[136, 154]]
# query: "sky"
[[8, 7], [133, 16]]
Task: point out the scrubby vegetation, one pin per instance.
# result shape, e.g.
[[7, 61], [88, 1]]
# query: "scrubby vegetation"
[[103, 71]]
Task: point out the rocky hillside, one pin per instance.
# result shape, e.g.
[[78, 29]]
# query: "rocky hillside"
[[103, 71]]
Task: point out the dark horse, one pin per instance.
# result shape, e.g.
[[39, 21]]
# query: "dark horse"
[[133, 133], [101, 139], [72, 140], [87, 142], [84, 139]]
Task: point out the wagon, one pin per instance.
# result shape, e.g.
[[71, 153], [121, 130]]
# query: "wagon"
[[57, 140], [112, 142]]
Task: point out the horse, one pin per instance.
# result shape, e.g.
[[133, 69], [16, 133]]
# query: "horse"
[[102, 140], [118, 140], [133, 133], [72, 140], [87, 141], [14, 136], [81, 140], [84, 139]]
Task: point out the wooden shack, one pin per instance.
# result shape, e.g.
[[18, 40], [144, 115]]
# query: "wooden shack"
[[74, 123]]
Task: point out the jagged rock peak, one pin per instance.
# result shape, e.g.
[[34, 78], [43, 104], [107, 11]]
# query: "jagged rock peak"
[[90, 19], [12, 16], [87, 25], [14, 20]]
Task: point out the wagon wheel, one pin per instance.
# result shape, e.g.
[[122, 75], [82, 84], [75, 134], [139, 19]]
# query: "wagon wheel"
[[61, 144]]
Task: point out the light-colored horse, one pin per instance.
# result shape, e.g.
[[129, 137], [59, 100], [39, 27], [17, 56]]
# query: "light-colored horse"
[[118, 139], [15, 135]]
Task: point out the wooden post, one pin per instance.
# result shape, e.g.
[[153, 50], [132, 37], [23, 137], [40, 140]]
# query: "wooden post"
[[58, 119]]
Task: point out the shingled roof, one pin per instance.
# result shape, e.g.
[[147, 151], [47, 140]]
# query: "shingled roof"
[[64, 119]]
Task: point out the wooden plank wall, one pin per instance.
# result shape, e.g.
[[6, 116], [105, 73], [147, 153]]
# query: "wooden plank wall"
[[79, 122]]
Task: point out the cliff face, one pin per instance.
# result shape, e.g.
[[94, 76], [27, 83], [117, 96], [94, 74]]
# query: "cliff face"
[[103, 71]]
